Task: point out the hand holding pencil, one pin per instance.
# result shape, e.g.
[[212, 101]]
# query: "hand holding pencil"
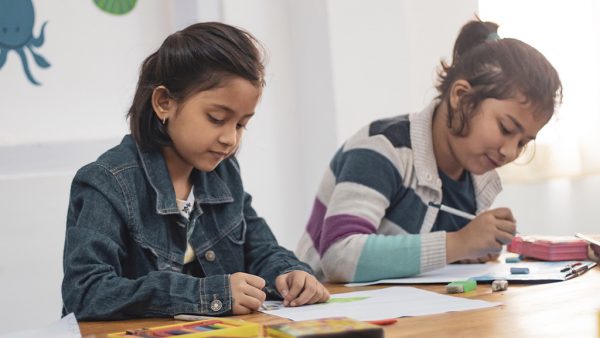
[[246, 292], [484, 235]]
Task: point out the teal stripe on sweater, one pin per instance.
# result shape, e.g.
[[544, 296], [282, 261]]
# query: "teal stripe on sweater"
[[389, 257]]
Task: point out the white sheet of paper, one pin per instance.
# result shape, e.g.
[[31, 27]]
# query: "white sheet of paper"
[[391, 302], [538, 271], [66, 327]]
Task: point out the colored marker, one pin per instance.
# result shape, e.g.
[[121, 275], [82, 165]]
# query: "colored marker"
[[382, 322], [570, 267], [577, 271]]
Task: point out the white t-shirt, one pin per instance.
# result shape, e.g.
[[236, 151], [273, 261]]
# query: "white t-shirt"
[[185, 210]]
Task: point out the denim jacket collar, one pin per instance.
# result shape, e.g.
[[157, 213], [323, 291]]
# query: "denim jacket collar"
[[209, 188]]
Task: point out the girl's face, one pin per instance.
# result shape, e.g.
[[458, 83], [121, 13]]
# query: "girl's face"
[[498, 131], [207, 127]]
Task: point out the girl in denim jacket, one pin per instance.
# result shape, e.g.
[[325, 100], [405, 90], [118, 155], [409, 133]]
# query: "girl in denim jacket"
[[160, 224]]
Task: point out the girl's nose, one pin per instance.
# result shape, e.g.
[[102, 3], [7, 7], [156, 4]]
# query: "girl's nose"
[[510, 150], [228, 136]]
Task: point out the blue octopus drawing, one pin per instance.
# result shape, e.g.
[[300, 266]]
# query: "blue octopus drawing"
[[16, 33]]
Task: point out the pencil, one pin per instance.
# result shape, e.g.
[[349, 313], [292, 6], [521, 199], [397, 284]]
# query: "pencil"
[[452, 211], [192, 318], [457, 212]]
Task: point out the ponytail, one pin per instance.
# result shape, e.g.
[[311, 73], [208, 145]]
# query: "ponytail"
[[496, 68]]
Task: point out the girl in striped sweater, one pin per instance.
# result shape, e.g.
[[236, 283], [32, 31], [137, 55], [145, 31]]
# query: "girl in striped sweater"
[[372, 217]]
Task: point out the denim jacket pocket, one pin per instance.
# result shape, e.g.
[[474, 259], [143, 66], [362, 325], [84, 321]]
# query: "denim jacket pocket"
[[162, 261], [238, 234]]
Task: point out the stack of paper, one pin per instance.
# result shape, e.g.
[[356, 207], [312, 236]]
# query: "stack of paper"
[[392, 302], [538, 272], [550, 248]]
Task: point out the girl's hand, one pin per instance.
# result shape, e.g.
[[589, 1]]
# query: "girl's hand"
[[246, 292], [299, 287], [482, 236]]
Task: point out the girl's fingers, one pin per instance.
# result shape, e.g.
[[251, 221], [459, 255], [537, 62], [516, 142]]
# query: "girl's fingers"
[[255, 293], [503, 213], [325, 296], [250, 303], [255, 281], [309, 290], [297, 285], [506, 226], [281, 284], [317, 296]]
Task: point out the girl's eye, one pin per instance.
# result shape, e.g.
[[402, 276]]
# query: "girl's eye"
[[215, 120], [504, 130], [240, 126]]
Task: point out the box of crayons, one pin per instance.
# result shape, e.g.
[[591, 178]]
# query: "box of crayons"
[[338, 327], [218, 327]]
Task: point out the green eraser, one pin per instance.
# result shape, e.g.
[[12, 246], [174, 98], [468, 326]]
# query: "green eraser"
[[461, 286]]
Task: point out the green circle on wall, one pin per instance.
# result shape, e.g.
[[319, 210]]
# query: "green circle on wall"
[[117, 7]]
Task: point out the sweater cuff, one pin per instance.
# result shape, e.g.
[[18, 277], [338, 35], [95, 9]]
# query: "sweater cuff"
[[433, 251]]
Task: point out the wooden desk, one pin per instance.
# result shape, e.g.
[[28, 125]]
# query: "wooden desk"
[[563, 309]]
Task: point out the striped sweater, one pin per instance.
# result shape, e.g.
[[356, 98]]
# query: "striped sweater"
[[371, 218]]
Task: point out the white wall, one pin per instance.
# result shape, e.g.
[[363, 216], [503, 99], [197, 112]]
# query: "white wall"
[[89, 86], [385, 55], [291, 138], [33, 210], [557, 207], [333, 66], [49, 131]]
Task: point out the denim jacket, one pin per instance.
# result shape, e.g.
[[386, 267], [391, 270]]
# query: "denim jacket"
[[125, 240]]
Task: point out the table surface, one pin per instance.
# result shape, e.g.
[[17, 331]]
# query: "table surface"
[[570, 308]]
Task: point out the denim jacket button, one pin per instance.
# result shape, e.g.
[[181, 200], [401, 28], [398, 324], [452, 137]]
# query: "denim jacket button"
[[210, 255], [216, 305]]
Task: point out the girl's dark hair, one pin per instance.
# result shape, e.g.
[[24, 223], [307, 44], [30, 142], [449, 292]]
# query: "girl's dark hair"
[[496, 68], [197, 58]]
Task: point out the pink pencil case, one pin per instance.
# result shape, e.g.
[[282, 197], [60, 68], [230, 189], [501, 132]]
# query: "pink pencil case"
[[550, 248]]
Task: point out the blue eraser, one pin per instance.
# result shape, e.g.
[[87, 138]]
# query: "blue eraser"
[[512, 259], [519, 271]]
